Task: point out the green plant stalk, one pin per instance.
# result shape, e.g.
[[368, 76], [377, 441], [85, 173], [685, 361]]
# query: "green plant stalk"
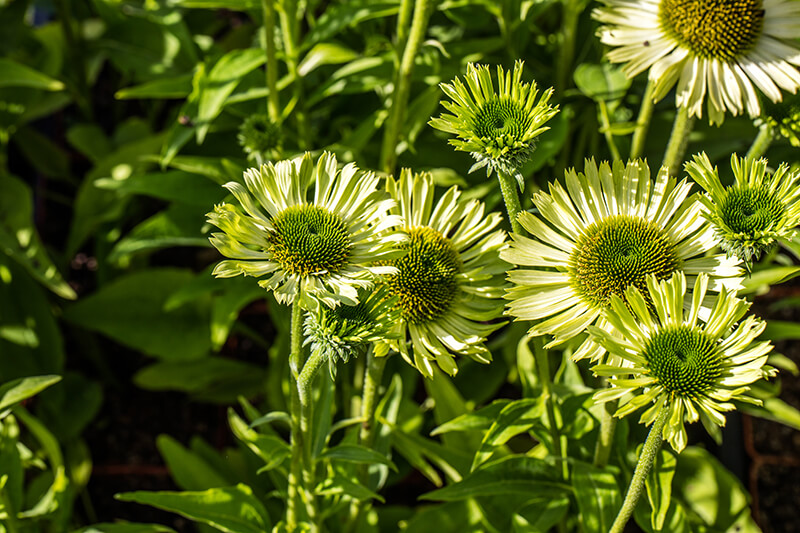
[[305, 383], [402, 85], [643, 467], [75, 53], [11, 521], [290, 30], [605, 122], [293, 515], [366, 436], [761, 142], [569, 27], [403, 23], [605, 438], [508, 186], [643, 121], [273, 100], [678, 139]]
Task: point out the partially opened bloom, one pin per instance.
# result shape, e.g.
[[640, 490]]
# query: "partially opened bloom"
[[499, 128], [315, 231], [450, 281], [347, 331], [757, 210], [716, 51], [673, 360], [610, 228]]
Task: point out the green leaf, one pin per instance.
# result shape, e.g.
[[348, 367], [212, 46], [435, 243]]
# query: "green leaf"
[[774, 409], [202, 376], [90, 140], [272, 450], [354, 453], [219, 169], [222, 79], [339, 16], [13, 74], [338, 484], [510, 475], [760, 282], [601, 82], [274, 416], [232, 5], [659, 487], [42, 153], [481, 419], [67, 408], [125, 527], [517, 417], [174, 186], [20, 240], [598, 497], [540, 514], [131, 311], [188, 469], [780, 330], [175, 87], [229, 509], [15, 391], [325, 54], [447, 405]]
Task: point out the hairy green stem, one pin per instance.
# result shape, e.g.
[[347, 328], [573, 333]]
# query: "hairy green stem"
[[293, 510], [290, 29], [605, 123], [403, 24], [305, 382], [273, 101], [678, 139], [402, 84], [569, 25], [608, 424], [761, 143], [643, 121], [366, 436], [643, 467], [508, 186]]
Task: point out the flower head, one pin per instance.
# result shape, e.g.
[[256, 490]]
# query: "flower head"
[[673, 360], [609, 229], [755, 212], [498, 128], [715, 50], [347, 331], [259, 136], [783, 118], [318, 248], [449, 283]]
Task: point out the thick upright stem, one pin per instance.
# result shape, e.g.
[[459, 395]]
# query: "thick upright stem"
[[293, 510], [305, 382], [643, 467], [403, 24], [643, 121], [402, 84], [678, 139], [290, 29], [508, 186], [608, 425], [605, 122], [543, 371], [273, 101], [569, 25], [761, 143]]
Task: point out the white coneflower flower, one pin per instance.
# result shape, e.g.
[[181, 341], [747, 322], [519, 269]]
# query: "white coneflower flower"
[[499, 128], [715, 50], [610, 228], [321, 247], [753, 214], [450, 281], [672, 360]]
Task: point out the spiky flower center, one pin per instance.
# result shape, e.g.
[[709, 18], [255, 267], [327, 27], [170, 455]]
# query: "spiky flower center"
[[501, 121], [309, 240], [617, 252], [750, 210], [719, 29], [258, 134], [684, 360], [426, 281]]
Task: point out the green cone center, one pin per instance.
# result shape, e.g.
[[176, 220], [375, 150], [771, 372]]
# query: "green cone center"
[[426, 281], [501, 120], [684, 360], [750, 210], [720, 29], [617, 252], [309, 240]]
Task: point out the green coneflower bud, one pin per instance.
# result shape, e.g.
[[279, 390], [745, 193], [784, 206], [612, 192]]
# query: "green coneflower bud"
[[755, 212], [346, 331], [499, 128], [260, 137], [783, 117]]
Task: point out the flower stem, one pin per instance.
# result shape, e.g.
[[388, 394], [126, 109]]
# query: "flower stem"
[[273, 102], [643, 466], [296, 465], [404, 22], [608, 425], [606, 124], [290, 30], [366, 437], [11, 520], [543, 370], [569, 25], [508, 186], [761, 143], [678, 139], [305, 382], [402, 84], [643, 121]]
